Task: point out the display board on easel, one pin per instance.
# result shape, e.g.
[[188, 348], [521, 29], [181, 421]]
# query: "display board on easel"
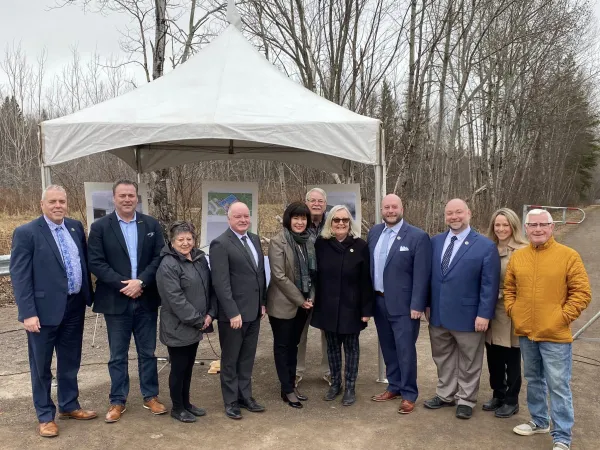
[[217, 196]]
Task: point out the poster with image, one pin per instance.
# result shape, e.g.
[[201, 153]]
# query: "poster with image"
[[217, 196], [99, 200], [343, 194]]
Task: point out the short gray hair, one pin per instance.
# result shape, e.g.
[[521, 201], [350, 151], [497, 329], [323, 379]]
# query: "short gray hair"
[[53, 187], [535, 212], [317, 190], [179, 227], [327, 232]]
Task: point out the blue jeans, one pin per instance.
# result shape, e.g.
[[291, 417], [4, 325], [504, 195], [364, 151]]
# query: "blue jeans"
[[141, 322], [548, 366]]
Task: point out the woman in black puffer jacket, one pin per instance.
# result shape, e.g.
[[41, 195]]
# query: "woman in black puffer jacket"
[[188, 308]]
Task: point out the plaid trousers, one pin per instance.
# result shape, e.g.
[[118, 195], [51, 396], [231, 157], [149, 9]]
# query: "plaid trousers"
[[351, 354]]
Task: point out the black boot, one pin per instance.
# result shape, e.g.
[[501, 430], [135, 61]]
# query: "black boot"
[[333, 392], [349, 397]]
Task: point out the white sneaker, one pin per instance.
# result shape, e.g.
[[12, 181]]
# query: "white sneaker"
[[561, 446], [530, 428]]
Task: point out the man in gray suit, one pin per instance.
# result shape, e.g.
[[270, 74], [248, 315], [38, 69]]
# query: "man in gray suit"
[[238, 276]]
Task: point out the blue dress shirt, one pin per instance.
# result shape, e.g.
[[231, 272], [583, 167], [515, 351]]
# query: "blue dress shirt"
[[378, 271], [129, 230], [73, 252], [459, 241]]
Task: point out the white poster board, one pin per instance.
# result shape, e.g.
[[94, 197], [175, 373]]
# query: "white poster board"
[[343, 194], [99, 200], [216, 198]]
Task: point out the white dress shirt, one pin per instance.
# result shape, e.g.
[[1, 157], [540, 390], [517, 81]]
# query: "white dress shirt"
[[250, 244]]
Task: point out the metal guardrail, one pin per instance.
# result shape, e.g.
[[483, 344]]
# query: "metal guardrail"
[[4, 262]]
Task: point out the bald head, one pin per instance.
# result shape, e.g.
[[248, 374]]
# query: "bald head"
[[391, 209], [238, 216], [457, 215]]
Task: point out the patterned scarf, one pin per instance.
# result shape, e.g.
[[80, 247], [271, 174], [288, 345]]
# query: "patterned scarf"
[[305, 260]]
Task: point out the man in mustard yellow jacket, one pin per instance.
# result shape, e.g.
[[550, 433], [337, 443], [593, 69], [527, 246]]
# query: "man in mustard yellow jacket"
[[545, 289]]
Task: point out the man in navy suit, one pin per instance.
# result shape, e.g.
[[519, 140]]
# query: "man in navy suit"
[[124, 249], [465, 273], [51, 284], [400, 270]]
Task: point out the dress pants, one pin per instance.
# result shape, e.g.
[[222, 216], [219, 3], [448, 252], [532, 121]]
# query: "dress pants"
[[238, 350], [398, 338], [301, 365], [286, 336], [458, 356], [182, 361], [67, 339], [351, 354], [141, 322], [504, 365]]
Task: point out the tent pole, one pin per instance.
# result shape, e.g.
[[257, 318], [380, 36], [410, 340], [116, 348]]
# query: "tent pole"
[[380, 189], [45, 170], [138, 163]]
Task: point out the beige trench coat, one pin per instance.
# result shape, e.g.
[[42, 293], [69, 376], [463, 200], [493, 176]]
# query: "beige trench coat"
[[501, 330]]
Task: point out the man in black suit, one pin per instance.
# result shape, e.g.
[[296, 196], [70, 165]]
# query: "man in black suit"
[[124, 254], [52, 285], [238, 276]]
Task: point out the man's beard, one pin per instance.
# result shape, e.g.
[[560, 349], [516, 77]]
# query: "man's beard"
[[392, 221]]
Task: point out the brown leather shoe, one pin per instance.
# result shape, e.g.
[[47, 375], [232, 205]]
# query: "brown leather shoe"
[[114, 413], [385, 396], [78, 414], [48, 429], [155, 407], [406, 407]]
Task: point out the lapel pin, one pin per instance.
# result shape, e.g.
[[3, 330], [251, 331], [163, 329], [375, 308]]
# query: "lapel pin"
[[73, 230], [140, 221], [351, 250], [466, 242], [398, 238]]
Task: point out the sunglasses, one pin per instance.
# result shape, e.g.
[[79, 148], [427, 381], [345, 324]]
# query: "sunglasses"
[[344, 220]]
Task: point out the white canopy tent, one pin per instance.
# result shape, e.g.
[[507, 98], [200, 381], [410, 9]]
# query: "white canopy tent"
[[226, 102]]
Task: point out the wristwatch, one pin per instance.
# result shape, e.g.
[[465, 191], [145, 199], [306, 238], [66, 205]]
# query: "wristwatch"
[[142, 284]]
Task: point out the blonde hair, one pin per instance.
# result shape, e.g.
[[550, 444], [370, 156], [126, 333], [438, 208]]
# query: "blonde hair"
[[327, 232], [513, 221]]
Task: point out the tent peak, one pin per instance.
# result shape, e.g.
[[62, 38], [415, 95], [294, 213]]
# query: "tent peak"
[[233, 15]]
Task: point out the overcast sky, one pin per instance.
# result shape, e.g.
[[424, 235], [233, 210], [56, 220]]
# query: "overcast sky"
[[34, 25]]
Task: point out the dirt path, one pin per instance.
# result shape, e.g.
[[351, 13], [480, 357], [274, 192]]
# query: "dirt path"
[[319, 425]]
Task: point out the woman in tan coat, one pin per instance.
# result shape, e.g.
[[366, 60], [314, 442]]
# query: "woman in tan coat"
[[290, 294], [502, 346]]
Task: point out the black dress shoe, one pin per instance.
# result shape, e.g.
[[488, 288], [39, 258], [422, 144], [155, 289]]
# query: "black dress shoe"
[[464, 412], [349, 397], [198, 412], [437, 403], [251, 405], [183, 416], [233, 411], [506, 411], [291, 403], [493, 404], [301, 397], [332, 393]]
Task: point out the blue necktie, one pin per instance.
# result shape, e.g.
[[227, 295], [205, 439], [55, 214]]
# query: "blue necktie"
[[383, 252], [448, 255], [64, 250]]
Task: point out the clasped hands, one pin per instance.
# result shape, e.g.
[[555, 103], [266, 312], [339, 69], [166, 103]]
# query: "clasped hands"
[[133, 288]]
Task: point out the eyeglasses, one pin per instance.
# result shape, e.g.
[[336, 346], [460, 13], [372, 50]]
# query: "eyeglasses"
[[538, 225], [318, 202], [344, 220]]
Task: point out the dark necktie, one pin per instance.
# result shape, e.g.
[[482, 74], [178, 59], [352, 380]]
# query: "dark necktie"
[[249, 250], [448, 255]]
